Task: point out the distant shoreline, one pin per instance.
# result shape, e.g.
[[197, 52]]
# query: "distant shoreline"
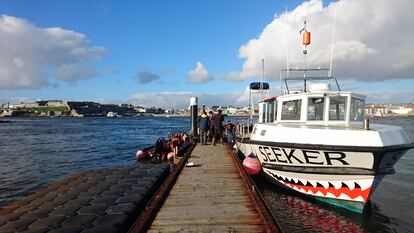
[[104, 116], [4, 118]]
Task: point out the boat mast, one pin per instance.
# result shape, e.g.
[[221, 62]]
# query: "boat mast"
[[261, 80], [332, 45], [287, 55], [305, 42], [251, 108]]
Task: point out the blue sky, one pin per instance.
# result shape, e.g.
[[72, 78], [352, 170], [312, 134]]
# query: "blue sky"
[[155, 52]]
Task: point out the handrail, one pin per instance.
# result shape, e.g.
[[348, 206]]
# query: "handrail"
[[285, 75]]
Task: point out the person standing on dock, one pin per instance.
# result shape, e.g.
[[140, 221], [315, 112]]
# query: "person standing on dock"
[[204, 126], [217, 122], [210, 133]]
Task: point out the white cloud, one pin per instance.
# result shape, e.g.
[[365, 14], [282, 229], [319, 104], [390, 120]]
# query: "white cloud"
[[182, 99], [390, 97], [234, 76], [29, 54], [372, 40], [199, 74]]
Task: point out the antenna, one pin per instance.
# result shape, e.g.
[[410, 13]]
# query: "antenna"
[[332, 45], [261, 80], [305, 42], [287, 53]]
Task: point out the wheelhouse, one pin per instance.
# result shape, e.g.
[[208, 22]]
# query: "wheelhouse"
[[316, 104], [314, 108]]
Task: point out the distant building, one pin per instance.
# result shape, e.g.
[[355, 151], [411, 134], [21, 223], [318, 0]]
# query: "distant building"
[[231, 111], [56, 103], [215, 108], [376, 109], [7, 113], [126, 105], [401, 110], [85, 108], [169, 111], [42, 103], [74, 113], [27, 105], [150, 110], [140, 109]]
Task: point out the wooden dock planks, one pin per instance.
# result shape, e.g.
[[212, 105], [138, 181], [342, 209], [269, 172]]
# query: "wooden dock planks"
[[209, 197]]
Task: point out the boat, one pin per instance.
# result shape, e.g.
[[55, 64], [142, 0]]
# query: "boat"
[[112, 114], [316, 141], [379, 115]]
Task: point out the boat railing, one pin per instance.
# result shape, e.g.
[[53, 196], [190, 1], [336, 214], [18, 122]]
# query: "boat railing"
[[244, 129], [318, 74]]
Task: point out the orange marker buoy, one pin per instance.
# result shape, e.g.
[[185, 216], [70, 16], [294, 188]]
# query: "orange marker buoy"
[[306, 38]]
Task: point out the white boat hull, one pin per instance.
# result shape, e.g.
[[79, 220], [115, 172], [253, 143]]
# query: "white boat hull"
[[345, 176]]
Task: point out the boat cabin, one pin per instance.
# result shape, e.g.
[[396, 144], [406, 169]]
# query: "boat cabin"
[[313, 108], [316, 104]]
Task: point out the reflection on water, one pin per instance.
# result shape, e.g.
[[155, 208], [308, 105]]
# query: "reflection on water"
[[297, 213]]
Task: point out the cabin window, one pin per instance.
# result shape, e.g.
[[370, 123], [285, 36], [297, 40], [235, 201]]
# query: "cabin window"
[[316, 108], [337, 108], [275, 108], [270, 112], [291, 110], [262, 112], [357, 109]]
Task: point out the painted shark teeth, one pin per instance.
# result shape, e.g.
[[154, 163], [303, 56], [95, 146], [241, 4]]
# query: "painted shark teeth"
[[350, 184], [325, 184], [364, 184], [314, 183], [297, 184], [336, 184]]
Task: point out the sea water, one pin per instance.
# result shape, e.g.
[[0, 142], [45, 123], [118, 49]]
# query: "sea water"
[[35, 152]]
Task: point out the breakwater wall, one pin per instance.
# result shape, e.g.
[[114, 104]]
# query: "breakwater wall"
[[105, 200]]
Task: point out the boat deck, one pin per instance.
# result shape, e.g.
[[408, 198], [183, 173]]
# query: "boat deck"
[[210, 196]]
